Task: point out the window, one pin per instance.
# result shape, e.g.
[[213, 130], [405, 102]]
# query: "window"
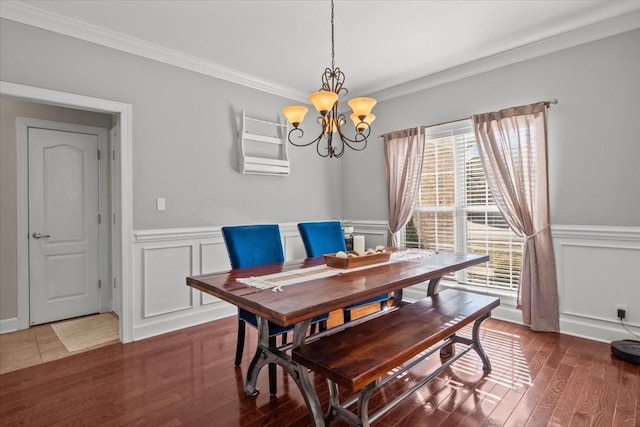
[[455, 211]]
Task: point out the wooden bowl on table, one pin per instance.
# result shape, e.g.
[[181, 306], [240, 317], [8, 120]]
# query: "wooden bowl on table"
[[357, 261]]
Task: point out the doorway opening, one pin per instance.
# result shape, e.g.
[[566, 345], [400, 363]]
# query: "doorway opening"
[[121, 270]]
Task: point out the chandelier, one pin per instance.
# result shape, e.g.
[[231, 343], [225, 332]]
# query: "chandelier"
[[332, 141]]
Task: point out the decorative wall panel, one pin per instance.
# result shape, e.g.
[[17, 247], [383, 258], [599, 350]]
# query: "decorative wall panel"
[[164, 286]]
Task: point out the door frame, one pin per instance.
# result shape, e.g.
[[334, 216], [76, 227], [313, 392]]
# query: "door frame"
[[124, 227], [104, 236]]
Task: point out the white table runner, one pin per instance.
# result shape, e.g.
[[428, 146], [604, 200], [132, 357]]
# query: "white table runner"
[[276, 281]]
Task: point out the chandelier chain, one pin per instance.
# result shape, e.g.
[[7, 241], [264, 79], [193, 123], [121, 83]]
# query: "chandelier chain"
[[333, 61]]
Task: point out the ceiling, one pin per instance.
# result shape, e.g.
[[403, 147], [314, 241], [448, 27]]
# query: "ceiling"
[[287, 44]]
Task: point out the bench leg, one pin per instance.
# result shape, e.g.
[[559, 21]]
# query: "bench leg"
[[334, 403], [448, 351], [473, 343], [363, 403], [339, 412]]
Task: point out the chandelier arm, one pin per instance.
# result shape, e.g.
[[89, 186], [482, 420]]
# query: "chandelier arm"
[[301, 132], [356, 148], [348, 142], [358, 139]]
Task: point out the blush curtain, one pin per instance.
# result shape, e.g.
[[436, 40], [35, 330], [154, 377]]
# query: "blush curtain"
[[403, 152], [513, 150]]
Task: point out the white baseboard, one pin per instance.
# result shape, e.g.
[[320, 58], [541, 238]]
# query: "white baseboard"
[[8, 325], [166, 325]]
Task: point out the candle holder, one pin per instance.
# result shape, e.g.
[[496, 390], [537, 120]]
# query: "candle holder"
[[358, 244]]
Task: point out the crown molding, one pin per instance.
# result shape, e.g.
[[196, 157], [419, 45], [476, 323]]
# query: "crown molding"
[[600, 30], [29, 15]]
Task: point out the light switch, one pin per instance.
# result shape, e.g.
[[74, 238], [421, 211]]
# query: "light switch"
[[160, 204]]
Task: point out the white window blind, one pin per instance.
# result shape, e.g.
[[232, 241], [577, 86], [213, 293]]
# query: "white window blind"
[[455, 210]]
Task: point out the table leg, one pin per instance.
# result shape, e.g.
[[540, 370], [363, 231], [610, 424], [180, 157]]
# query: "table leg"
[[259, 359], [432, 288], [477, 345], [266, 354], [397, 298]]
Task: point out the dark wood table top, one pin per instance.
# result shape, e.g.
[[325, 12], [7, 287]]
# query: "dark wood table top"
[[305, 300]]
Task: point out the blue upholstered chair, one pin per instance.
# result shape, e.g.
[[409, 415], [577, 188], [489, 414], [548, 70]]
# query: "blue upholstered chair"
[[326, 237], [251, 246]]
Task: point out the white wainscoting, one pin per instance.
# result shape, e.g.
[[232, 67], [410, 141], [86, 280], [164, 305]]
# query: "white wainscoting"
[[162, 302], [597, 270]]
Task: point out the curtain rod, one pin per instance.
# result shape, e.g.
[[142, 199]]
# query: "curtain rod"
[[552, 101]]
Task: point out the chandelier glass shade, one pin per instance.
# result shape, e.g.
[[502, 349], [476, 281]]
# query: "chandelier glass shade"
[[332, 141]]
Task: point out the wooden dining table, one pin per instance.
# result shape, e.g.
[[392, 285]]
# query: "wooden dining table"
[[297, 304]]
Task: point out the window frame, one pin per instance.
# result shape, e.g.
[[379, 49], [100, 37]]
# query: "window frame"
[[460, 211]]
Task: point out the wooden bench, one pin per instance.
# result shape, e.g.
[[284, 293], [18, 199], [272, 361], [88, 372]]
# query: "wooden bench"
[[360, 358]]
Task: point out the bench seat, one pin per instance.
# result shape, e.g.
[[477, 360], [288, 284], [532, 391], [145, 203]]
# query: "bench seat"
[[359, 356]]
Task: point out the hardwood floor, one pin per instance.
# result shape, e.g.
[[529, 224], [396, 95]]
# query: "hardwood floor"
[[188, 378]]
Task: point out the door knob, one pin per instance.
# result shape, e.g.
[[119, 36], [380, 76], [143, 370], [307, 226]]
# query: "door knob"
[[39, 236]]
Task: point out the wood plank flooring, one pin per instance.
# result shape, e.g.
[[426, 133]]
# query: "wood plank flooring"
[[188, 378]]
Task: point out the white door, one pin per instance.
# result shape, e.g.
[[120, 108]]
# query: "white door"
[[64, 263]]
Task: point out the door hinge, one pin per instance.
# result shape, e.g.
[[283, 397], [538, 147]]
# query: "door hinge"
[[99, 284], [114, 282], [113, 155], [114, 218], [98, 154], [99, 219]]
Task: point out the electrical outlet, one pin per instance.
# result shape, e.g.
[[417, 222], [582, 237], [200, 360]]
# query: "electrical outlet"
[[621, 311]]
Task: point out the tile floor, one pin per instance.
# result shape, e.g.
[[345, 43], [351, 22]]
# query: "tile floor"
[[28, 347]]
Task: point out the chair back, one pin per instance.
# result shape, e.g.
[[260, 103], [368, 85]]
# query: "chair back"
[[253, 245], [321, 238]]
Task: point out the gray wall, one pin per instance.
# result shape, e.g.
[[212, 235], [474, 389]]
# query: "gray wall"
[[184, 135], [594, 131]]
